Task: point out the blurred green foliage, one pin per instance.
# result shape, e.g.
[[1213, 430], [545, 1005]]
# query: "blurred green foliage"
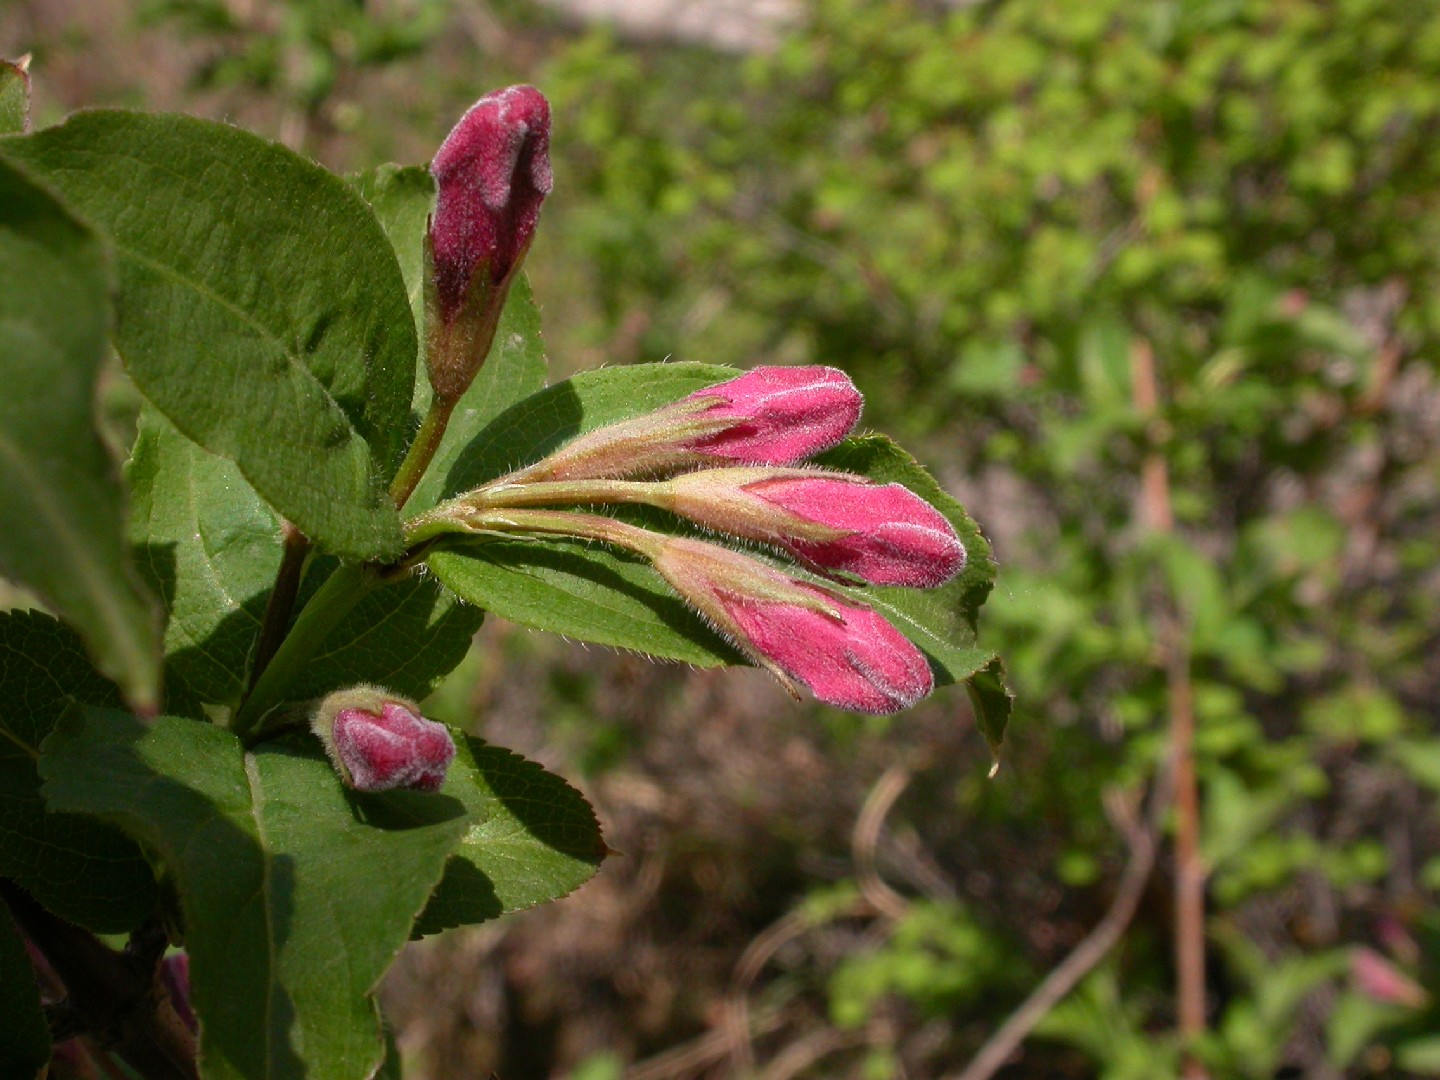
[[984, 212]]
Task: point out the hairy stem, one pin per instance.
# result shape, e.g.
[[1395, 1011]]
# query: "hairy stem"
[[422, 450], [462, 519], [116, 997], [345, 588], [282, 600]]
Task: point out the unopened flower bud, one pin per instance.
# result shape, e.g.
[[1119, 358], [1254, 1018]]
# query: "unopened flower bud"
[[1380, 980], [768, 416], [846, 654], [491, 175], [379, 741], [882, 533]]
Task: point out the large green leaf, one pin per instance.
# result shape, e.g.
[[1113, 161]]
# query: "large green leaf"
[[60, 498], [210, 547], [402, 197], [79, 868], [261, 308], [515, 369], [587, 591], [294, 900], [14, 98], [24, 1037], [533, 838]]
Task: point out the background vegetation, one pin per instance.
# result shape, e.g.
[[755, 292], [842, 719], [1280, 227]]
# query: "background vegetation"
[[1153, 289]]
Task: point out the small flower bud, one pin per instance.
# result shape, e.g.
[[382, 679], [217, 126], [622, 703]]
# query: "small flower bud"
[[491, 175], [777, 415], [1380, 980], [882, 533], [379, 741], [768, 416], [846, 654]]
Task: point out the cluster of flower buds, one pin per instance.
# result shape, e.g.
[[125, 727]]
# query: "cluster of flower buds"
[[726, 458], [379, 741]]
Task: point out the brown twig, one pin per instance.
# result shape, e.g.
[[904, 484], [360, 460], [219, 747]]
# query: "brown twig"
[[282, 601], [865, 840], [1143, 840], [116, 996], [1158, 518]]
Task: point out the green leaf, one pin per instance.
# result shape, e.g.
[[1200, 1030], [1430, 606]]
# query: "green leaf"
[[261, 308], [80, 869], [589, 592], [14, 97], [294, 900], [24, 1036], [992, 702], [402, 196], [60, 498], [405, 637], [210, 548], [533, 837]]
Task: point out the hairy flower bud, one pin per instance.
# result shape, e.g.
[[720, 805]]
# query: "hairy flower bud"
[[882, 533], [379, 741], [491, 175], [768, 416], [846, 654]]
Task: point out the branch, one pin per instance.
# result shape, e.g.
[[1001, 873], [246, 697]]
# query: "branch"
[[1143, 841], [115, 997]]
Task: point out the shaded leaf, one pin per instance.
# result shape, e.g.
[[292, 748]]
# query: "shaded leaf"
[[294, 901], [60, 498], [992, 702], [210, 548], [406, 637], [80, 869], [260, 305], [532, 838]]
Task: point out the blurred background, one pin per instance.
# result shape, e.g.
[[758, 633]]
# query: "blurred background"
[[1152, 288]]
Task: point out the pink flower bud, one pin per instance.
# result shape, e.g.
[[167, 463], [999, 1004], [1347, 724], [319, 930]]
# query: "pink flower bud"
[[491, 175], [492, 172], [768, 416], [1380, 980], [379, 741], [777, 415], [882, 533], [846, 654]]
